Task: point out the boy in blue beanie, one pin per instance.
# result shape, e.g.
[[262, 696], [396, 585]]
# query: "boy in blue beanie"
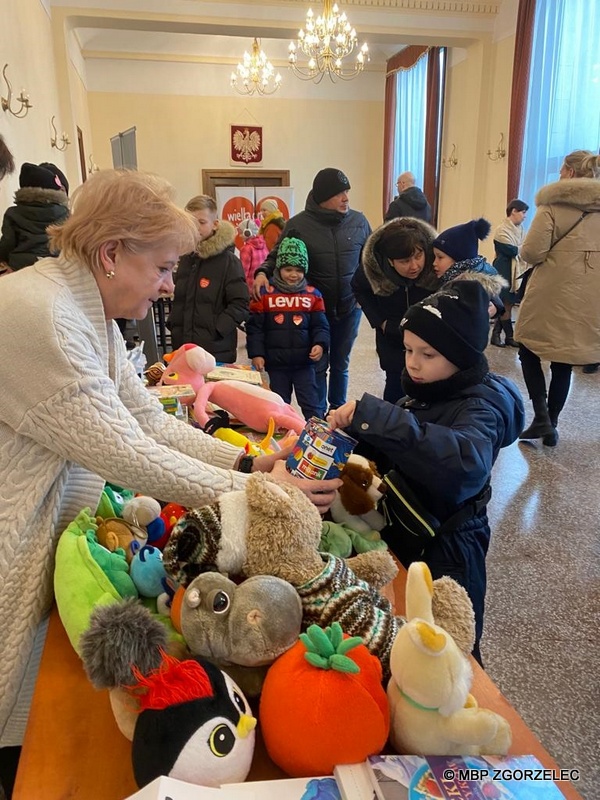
[[442, 439], [288, 332]]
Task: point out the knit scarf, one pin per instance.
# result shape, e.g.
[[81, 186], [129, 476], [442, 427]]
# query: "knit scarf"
[[280, 284], [468, 265], [444, 390]]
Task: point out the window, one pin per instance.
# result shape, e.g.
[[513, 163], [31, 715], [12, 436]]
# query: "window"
[[411, 116], [563, 104]]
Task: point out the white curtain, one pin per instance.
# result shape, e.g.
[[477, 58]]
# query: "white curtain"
[[411, 108], [563, 105]]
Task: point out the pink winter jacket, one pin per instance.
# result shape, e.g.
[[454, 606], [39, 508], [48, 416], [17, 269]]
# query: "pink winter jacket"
[[253, 253]]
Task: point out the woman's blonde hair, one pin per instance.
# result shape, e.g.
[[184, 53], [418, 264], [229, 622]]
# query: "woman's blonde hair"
[[133, 208], [584, 164], [202, 202]]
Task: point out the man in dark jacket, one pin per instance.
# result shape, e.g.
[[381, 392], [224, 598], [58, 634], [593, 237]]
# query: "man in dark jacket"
[[334, 236], [410, 201]]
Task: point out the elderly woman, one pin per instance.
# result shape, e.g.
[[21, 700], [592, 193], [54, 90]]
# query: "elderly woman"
[[559, 318], [74, 414]]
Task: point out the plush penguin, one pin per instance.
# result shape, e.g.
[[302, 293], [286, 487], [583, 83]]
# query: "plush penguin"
[[195, 725]]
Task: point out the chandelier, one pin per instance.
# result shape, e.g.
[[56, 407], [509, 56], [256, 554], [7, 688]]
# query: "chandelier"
[[325, 41], [255, 73]]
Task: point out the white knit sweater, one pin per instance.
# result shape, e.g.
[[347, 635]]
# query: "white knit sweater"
[[73, 414]]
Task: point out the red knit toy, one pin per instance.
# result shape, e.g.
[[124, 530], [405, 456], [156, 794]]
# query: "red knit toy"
[[323, 704]]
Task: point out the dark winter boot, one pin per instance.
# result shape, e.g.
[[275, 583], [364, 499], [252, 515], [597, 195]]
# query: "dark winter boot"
[[541, 425], [496, 331], [507, 327], [551, 439]]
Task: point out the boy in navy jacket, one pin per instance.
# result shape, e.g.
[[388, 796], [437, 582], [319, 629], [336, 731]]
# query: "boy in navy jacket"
[[288, 332], [444, 436]]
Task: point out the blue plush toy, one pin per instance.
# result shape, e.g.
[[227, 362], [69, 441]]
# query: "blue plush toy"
[[147, 571]]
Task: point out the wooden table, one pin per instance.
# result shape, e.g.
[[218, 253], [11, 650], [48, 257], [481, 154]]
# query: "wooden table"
[[73, 748]]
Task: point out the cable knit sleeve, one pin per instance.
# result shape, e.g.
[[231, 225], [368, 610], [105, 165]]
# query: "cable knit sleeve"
[[71, 406]]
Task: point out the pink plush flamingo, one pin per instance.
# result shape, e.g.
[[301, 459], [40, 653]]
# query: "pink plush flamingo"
[[252, 405]]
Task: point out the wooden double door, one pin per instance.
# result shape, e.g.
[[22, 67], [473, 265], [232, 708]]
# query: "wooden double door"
[[211, 178]]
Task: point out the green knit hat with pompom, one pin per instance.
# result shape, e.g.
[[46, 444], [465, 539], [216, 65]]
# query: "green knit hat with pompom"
[[292, 253]]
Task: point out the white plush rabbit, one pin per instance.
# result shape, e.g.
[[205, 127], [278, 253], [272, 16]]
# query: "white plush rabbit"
[[432, 712]]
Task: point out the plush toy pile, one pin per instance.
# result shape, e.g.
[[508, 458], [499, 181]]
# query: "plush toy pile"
[[182, 614]]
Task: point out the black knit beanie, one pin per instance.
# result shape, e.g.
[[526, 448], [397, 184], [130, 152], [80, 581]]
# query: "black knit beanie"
[[454, 321], [64, 183], [329, 182], [39, 177]]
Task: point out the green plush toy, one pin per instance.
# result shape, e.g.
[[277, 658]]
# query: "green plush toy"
[[339, 539], [113, 564], [112, 501], [80, 584]]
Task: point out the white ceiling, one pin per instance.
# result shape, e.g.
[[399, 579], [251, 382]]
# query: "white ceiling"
[[221, 30]]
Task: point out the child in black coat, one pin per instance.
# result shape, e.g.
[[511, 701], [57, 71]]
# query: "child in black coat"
[[445, 435]]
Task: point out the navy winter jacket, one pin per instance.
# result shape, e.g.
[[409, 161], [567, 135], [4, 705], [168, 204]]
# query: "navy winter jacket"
[[284, 326], [445, 449], [334, 242]]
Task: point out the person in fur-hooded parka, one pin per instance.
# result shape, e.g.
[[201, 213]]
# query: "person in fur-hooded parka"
[[559, 318], [395, 272], [211, 297], [41, 201]]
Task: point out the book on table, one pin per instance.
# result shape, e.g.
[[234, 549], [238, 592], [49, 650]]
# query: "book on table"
[[318, 788], [235, 372], [394, 777]]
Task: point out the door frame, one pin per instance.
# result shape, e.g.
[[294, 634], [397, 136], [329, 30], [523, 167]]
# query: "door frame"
[[280, 177]]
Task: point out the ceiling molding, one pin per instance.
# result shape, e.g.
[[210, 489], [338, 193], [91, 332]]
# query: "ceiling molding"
[[450, 6]]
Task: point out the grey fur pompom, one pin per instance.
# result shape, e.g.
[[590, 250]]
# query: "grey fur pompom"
[[121, 635]]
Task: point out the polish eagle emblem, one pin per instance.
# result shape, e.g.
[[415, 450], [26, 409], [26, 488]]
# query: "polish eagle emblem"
[[246, 144]]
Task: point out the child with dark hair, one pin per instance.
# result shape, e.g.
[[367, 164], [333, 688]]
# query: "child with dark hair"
[[396, 271], [288, 332], [40, 201], [508, 238], [7, 162], [445, 436]]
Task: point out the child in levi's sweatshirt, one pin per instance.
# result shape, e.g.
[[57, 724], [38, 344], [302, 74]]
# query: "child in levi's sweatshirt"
[[288, 331]]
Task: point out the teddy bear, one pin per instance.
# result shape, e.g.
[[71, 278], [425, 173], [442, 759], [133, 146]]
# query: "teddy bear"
[[253, 405], [273, 529], [432, 712], [355, 503]]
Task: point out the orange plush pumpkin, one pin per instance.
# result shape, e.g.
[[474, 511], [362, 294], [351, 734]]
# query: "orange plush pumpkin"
[[323, 704]]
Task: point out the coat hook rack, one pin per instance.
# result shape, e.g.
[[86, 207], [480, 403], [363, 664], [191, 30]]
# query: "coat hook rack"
[[500, 152], [64, 139], [452, 159], [6, 102]]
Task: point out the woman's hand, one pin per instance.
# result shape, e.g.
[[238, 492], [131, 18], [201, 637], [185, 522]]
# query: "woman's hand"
[[260, 280], [342, 417], [321, 493]]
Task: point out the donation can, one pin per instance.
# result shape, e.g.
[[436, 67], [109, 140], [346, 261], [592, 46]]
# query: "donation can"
[[320, 452]]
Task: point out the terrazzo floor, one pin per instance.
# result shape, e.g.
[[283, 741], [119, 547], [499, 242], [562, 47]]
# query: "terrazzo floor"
[[543, 599]]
